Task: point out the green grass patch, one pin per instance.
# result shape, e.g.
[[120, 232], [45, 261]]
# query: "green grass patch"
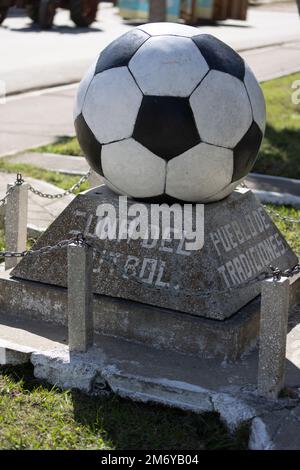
[[290, 230], [280, 151], [58, 179], [34, 415], [64, 146]]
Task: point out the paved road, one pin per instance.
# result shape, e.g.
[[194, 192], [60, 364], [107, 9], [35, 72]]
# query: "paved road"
[[32, 58]]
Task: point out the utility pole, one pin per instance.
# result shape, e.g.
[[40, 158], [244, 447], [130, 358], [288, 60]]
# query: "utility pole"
[[157, 10]]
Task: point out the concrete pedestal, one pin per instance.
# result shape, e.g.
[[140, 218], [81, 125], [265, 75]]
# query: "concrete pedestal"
[[240, 241]]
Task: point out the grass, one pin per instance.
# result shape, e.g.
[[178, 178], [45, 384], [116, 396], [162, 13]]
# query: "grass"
[[64, 146], [290, 230], [280, 151], [60, 180], [34, 415]]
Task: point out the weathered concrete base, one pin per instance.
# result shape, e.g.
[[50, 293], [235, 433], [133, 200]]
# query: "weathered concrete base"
[[240, 240], [153, 326]]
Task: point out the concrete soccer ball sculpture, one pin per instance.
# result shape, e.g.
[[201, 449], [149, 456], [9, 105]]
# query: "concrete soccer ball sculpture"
[[166, 111]]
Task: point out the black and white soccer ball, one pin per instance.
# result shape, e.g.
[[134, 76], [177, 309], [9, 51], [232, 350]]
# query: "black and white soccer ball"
[[166, 111]]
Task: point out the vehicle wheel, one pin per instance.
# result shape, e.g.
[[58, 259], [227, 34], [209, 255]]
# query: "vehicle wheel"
[[33, 12], [3, 13], [46, 13], [83, 12]]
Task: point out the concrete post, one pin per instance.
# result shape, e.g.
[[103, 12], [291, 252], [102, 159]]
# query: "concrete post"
[[95, 179], [80, 298], [272, 339], [157, 10], [16, 222]]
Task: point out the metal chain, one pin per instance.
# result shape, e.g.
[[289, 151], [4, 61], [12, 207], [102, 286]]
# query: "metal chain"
[[273, 212], [42, 250], [281, 217], [272, 272], [4, 199], [18, 182], [65, 193]]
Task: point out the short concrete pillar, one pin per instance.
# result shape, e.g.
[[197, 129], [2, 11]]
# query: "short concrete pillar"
[[95, 179], [80, 298], [16, 222], [272, 339]]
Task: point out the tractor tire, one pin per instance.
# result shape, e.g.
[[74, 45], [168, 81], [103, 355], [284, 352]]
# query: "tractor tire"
[[3, 14], [83, 12], [46, 13], [33, 12]]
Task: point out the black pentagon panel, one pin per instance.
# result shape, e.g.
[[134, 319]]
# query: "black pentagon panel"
[[89, 144], [219, 56], [121, 50], [166, 126], [161, 199], [246, 152]]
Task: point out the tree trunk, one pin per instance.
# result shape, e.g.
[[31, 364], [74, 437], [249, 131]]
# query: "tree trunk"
[[157, 10], [298, 5]]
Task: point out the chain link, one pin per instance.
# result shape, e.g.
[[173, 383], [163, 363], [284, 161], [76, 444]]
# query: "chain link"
[[284, 218], [42, 250], [18, 182], [270, 273], [35, 191], [65, 193]]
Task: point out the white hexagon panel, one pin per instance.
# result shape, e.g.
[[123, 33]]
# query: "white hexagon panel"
[[133, 169], [222, 109], [111, 105], [190, 179], [168, 66]]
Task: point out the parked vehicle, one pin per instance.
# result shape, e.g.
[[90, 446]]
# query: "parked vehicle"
[[42, 12]]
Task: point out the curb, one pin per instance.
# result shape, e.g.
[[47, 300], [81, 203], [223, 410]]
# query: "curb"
[[278, 199]]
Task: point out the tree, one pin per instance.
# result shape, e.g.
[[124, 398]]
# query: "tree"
[[298, 5], [157, 10]]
